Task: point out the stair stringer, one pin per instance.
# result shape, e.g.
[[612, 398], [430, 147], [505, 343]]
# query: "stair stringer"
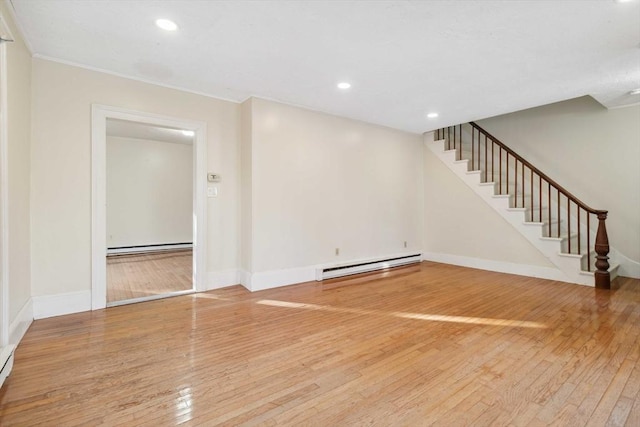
[[569, 266]]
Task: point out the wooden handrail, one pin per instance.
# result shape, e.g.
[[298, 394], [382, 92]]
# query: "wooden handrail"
[[538, 172], [602, 276]]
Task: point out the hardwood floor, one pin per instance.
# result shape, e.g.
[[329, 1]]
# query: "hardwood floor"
[[429, 344], [148, 274]]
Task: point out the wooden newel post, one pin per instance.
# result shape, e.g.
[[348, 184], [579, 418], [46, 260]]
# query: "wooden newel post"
[[603, 280]]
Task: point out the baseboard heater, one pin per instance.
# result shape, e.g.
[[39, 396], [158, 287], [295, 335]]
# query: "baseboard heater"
[[366, 266], [148, 248], [6, 361]]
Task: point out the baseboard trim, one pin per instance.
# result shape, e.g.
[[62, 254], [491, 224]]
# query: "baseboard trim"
[[244, 278], [221, 279], [549, 273], [276, 278], [57, 305], [628, 267], [163, 247], [21, 323], [627, 270]]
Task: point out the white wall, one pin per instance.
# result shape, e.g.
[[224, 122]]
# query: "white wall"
[[311, 182], [61, 162], [591, 151], [19, 146], [321, 182], [149, 192], [458, 223]]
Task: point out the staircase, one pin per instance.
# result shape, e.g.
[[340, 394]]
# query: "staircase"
[[568, 232]]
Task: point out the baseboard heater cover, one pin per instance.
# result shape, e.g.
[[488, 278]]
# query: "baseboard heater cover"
[[367, 266], [148, 248], [6, 361]]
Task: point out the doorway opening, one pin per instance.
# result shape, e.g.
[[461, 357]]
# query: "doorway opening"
[[148, 212]]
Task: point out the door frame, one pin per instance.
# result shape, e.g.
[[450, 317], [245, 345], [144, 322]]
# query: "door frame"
[[5, 36], [99, 115]]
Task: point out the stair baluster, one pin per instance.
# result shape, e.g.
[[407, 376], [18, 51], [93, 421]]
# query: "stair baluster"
[[601, 247]]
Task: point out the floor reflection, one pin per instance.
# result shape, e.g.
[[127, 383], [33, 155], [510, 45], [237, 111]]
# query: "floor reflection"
[[403, 315]]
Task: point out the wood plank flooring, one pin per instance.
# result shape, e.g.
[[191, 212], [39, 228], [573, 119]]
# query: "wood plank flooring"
[[148, 274], [429, 344]]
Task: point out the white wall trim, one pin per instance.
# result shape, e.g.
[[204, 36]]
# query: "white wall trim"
[[541, 272], [617, 107], [145, 249], [6, 349], [628, 267], [134, 78], [244, 277], [221, 279], [57, 305], [262, 280], [276, 278], [4, 194], [98, 209], [5, 31], [6, 362], [21, 323], [18, 24], [99, 116]]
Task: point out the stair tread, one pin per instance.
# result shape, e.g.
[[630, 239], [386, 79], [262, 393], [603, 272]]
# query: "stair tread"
[[612, 267], [572, 235], [561, 237], [553, 221], [576, 256], [537, 210]]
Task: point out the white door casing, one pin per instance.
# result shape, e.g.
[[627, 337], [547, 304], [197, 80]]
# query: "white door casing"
[[99, 116], [6, 350]]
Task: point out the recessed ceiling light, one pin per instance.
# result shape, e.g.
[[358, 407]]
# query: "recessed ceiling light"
[[432, 115], [344, 85], [166, 24], [188, 133], [635, 92]]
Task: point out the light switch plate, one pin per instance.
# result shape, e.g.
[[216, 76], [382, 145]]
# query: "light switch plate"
[[212, 191]]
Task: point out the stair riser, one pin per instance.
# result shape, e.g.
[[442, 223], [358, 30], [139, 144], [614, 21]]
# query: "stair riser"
[[592, 259], [551, 248], [574, 246], [497, 172], [553, 230], [516, 199]]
